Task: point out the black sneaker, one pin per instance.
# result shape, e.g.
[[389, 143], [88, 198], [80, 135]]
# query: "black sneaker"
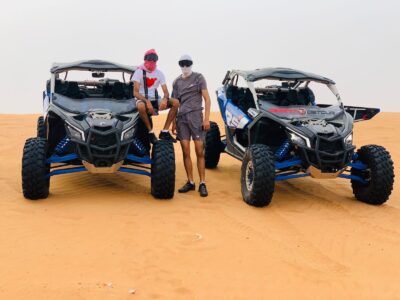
[[203, 190], [166, 136], [187, 187], [152, 137]]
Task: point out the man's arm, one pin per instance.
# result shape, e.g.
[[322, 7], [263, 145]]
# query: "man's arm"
[[164, 101], [174, 126], [139, 96], [136, 93], [165, 91], [207, 100]]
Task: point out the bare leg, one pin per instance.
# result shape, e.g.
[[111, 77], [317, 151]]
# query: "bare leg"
[[199, 147], [187, 161], [172, 113], [143, 115]]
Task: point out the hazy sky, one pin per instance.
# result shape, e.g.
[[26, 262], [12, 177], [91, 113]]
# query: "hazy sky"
[[356, 43]]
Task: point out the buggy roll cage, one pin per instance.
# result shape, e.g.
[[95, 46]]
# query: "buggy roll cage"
[[297, 78], [87, 65]]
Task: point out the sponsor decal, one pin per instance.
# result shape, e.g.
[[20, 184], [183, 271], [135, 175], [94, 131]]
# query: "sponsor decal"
[[297, 111], [320, 112], [235, 117]]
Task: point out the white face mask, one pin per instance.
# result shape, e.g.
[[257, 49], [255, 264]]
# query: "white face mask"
[[186, 71]]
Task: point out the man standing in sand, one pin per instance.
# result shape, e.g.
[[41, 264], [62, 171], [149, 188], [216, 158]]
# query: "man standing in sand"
[[146, 80], [190, 89]]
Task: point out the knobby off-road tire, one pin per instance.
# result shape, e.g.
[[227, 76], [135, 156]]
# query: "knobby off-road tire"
[[380, 175], [258, 175], [41, 129], [213, 147], [163, 170], [35, 184]]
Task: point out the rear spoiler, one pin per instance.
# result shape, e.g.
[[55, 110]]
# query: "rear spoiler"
[[361, 113]]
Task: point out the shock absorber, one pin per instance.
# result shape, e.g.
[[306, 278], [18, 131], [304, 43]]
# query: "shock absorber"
[[283, 150], [138, 146], [62, 145]]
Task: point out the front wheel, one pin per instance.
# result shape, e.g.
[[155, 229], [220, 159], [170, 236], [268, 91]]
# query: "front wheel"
[[163, 170], [41, 128], [213, 146], [35, 183], [258, 175], [379, 175]]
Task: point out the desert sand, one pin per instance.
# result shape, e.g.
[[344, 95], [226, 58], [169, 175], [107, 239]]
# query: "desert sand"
[[102, 236]]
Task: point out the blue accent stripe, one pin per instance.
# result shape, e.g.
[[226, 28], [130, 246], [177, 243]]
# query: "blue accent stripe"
[[221, 108], [286, 177], [66, 171], [141, 160], [288, 163], [56, 159], [83, 169], [353, 177], [358, 165], [134, 171]]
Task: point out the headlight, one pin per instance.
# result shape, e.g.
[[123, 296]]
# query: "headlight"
[[128, 133], [75, 133], [299, 140], [348, 140]]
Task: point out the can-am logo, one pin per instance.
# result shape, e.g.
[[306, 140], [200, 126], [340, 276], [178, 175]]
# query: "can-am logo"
[[295, 111]]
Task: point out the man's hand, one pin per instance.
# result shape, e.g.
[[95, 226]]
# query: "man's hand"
[[206, 125], [207, 100], [163, 104], [173, 129], [149, 107]]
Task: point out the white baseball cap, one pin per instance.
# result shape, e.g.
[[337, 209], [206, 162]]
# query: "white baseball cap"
[[185, 57]]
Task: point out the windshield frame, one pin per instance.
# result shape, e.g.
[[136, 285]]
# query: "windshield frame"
[[56, 75], [296, 83]]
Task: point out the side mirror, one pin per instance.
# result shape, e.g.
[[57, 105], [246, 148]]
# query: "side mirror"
[[97, 74], [226, 78]]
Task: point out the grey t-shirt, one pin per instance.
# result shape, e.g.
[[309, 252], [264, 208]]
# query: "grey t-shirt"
[[188, 91]]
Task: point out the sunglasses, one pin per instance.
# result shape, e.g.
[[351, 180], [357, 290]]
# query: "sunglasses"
[[185, 63], [151, 57]]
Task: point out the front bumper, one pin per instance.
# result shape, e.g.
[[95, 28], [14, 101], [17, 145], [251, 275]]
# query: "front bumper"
[[329, 155], [103, 147]]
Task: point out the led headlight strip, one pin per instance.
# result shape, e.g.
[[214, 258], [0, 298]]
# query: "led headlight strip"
[[72, 127]]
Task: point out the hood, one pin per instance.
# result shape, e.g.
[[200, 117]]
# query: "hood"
[[329, 122]]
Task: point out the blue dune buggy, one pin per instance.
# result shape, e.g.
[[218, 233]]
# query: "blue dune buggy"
[[280, 132], [93, 125]]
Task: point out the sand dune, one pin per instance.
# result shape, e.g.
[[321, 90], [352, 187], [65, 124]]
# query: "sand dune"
[[97, 236]]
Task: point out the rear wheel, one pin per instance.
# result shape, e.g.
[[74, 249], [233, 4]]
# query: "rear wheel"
[[213, 147], [35, 183], [41, 129], [379, 175], [163, 170], [258, 175]]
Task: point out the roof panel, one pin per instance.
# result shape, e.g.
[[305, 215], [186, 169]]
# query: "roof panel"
[[91, 65], [282, 74]]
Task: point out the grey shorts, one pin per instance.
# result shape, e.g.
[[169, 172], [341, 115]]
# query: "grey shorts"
[[190, 125]]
